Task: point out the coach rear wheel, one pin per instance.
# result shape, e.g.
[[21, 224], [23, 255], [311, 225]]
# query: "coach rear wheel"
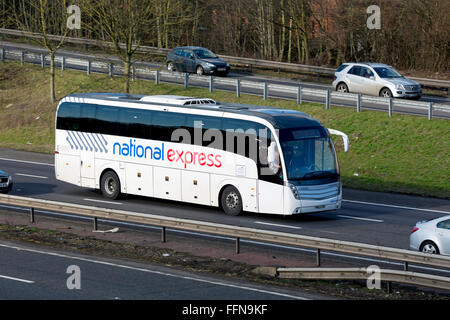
[[231, 201], [110, 185]]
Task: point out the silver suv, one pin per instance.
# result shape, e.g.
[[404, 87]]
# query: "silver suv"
[[375, 79]]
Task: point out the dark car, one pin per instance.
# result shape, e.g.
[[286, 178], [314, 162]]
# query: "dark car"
[[6, 182], [196, 60]]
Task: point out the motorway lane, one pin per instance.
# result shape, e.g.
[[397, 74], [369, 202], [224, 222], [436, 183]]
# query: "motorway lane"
[[179, 79], [361, 219], [34, 273]]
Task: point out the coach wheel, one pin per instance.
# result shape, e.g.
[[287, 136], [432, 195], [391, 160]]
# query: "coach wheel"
[[110, 185], [231, 201]]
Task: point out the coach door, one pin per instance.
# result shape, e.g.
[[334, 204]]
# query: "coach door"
[[270, 183], [87, 161]]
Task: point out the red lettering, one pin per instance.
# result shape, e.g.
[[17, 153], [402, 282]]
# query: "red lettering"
[[186, 160], [201, 159], [211, 163], [195, 156], [170, 154], [180, 155], [219, 163]]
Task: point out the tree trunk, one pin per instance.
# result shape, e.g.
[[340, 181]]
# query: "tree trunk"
[[127, 69], [52, 77]]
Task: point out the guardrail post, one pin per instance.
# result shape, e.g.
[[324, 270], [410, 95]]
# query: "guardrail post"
[[186, 80], [389, 287], [328, 100], [110, 70], [238, 249], [318, 258], [157, 77], [32, 215], [211, 84], [89, 67], [22, 58], [238, 88], [266, 89], [358, 103], [63, 63], [133, 73], [42, 61], [299, 94], [391, 103], [95, 224], [2, 55], [430, 111], [163, 234]]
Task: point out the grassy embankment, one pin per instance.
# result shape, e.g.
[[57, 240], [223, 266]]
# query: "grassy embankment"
[[401, 154]]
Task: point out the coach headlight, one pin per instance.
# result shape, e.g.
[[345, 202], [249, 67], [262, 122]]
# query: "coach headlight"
[[294, 191]]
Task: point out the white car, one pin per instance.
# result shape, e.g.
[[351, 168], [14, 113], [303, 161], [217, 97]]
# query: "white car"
[[375, 79], [432, 236]]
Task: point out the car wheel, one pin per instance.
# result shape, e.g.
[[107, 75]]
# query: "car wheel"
[[170, 66], [429, 247], [342, 87], [110, 185], [200, 71], [386, 93], [231, 201]]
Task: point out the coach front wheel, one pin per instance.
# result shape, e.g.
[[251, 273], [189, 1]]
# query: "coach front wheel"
[[110, 185], [231, 201]]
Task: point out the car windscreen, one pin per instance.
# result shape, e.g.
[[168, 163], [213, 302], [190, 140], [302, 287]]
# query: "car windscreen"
[[204, 54], [384, 72]]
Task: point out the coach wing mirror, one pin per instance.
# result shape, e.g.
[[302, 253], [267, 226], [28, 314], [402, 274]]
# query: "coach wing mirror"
[[344, 137], [273, 158]]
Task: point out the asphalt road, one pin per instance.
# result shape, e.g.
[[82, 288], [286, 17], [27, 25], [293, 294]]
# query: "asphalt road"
[[31, 273], [177, 78], [364, 217]]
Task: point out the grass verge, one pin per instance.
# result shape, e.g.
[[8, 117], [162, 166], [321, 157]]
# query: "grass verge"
[[403, 154]]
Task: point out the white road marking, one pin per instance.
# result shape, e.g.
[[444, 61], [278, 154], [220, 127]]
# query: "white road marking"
[[340, 255], [394, 206], [359, 218], [16, 279], [101, 201], [30, 175], [30, 162], [277, 225], [238, 286]]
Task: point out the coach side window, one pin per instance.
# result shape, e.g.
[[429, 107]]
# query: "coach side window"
[[87, 118], [205, 131], [107, 120], [68, 116], [135, 123], [164, 123]]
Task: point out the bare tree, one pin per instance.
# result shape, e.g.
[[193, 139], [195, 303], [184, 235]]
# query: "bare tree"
[[124, 23], [45, 17]]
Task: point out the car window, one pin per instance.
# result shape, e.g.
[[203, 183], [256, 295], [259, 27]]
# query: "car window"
[[384, 72], [356, 70], [204, 54], [444, 224], [187, 53], [366, 72], [342, 67], [178, 51]]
